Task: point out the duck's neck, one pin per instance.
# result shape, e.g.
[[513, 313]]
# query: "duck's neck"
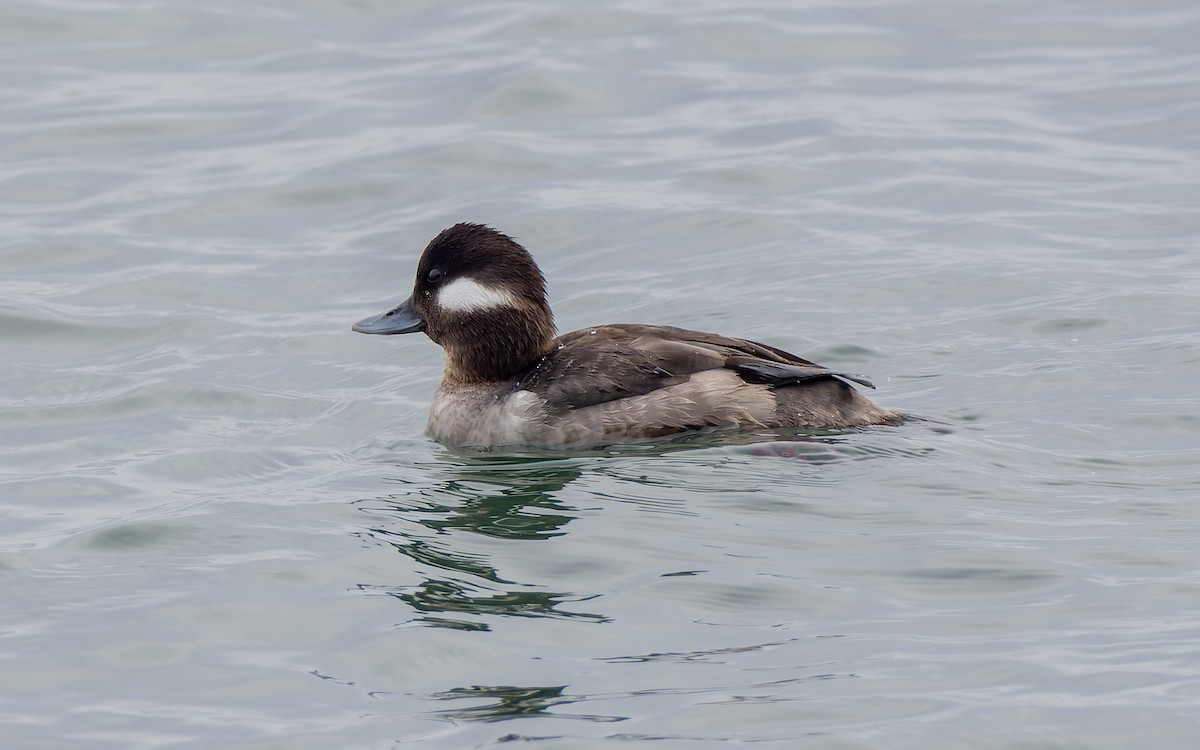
[[498, 346]]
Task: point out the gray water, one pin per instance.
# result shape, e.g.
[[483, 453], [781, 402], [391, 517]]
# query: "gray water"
[[221, 524]]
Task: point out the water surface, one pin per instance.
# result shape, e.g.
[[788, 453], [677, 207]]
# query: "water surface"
[[222, 525]]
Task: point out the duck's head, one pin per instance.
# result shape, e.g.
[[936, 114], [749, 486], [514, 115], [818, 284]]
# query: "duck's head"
[[481, 297]]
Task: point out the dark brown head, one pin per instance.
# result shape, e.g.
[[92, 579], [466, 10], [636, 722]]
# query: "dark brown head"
[[482, 298]]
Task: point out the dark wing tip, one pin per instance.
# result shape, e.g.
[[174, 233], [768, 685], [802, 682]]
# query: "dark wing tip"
[[780, 373]]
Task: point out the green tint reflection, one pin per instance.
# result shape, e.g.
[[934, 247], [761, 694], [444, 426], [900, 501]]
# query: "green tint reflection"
[[513, 702], [512, 500], [454, 596]]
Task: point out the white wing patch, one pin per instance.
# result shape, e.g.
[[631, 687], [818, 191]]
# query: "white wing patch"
[[468, 295]]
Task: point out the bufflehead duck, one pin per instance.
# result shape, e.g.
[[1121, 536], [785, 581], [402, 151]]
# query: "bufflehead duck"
[[509, 381]]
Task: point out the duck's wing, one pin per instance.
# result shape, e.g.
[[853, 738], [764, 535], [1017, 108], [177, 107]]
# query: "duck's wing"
[[601, 364]]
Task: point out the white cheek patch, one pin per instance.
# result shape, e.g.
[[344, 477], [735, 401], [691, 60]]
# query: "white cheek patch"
[[468, 295]]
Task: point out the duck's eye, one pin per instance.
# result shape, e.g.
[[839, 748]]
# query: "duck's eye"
[[434, 275]]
